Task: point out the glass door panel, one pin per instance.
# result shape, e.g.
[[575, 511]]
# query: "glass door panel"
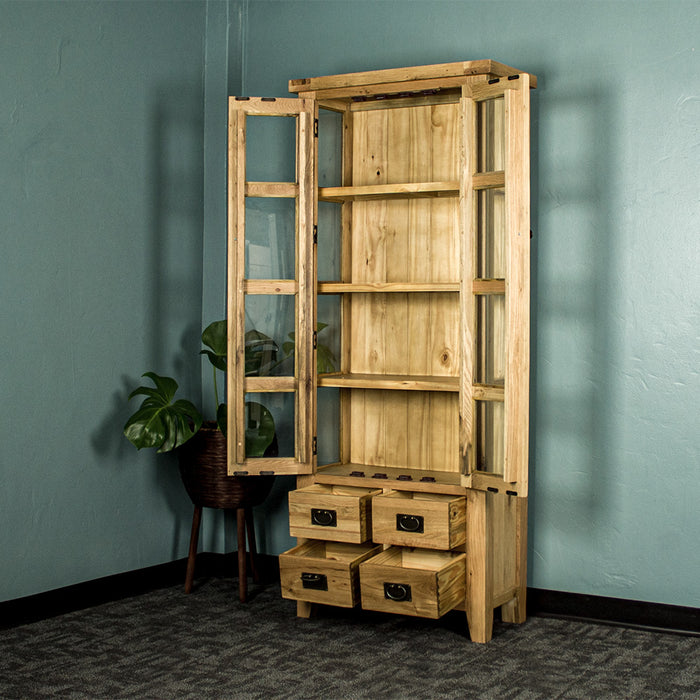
[[271, 368], [270, 248], [270, 335], [495, 298]]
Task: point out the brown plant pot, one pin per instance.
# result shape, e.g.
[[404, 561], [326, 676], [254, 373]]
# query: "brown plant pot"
[[203, 467]]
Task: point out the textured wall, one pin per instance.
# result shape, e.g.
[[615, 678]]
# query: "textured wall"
[[615, 425], [101, 141], [112, 216]]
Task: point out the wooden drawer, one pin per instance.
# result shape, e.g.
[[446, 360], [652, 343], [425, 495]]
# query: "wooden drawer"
[[324, 572], [330, 512], [432, 520], [411, 581]]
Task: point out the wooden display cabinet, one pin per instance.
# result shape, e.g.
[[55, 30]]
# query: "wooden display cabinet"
[[431, 291]]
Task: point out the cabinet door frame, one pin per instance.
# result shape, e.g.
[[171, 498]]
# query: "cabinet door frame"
[[514, 179], [302, 287]]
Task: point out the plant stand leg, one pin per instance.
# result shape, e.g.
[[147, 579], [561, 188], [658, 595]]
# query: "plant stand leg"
[[252, 548], [242, 573], [194, 537]]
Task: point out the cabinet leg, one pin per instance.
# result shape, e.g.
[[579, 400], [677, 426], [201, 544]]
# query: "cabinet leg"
[[480, 620], [194, 538], [304, 609], [515, 610], [479, 569]]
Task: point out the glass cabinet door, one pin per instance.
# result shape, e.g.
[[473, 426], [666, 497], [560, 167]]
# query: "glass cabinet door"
[[270, 305], [495, 289]]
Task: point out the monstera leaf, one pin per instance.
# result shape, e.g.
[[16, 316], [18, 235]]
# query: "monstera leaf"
[[259, 429], [214, 337], [161, 422], [325, 359], [260, 353]]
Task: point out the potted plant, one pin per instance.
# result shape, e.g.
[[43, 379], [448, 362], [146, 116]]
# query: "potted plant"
[[168, 424]]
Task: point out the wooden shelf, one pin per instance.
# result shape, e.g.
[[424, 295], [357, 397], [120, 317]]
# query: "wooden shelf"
[[383, 287], [398, 478], [397, 382], [489, 180], [488, 392], [402, 190], [489, 286]]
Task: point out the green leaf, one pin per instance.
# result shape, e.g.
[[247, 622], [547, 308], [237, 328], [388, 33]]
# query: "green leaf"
[[214, 336], [222, 417], [260, 353], [164, 391], [159, 422], [259, 429], [325, 359]]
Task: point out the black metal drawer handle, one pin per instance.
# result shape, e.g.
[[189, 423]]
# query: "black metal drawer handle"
[[409, 523], [399, 592], [323, 517], [317, 582]]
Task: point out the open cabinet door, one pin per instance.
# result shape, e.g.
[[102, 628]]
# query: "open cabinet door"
[[270, 305], [494, 397]]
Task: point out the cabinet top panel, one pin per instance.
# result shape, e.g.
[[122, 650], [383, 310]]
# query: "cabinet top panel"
[[416, 77]]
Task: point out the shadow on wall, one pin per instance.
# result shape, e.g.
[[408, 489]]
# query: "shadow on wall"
[[177, 147], [174, 300], [573, 257]]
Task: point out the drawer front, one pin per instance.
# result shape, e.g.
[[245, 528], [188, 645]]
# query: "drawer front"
[[423, 583], [340, 514], [434, 521], [323, 572]]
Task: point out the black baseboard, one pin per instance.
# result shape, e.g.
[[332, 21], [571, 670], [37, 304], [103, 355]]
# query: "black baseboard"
[[125, 585], [543, 603], [614, 611]]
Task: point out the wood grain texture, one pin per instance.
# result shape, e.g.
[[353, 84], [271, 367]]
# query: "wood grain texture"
[[337, 561], [436, 580], [350, 505], [443, 519]]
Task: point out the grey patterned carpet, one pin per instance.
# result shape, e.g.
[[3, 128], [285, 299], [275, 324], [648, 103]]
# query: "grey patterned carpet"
[[169, 645]]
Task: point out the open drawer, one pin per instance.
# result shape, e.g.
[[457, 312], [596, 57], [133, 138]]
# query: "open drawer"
[[324, 572], [412, 519], [331, 512], [420, 582]]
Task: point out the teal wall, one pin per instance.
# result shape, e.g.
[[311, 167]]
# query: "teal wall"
[[101, 221], [616, 217], [112, 215]]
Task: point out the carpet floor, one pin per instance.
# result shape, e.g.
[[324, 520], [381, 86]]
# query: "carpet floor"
[[167, 645]]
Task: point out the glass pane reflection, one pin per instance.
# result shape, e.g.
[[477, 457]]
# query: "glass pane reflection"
[[269, 238]]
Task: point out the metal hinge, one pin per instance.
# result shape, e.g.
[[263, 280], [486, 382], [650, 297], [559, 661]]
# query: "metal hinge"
[[315, 235], [314, 445], [316, 128], [315, 338]]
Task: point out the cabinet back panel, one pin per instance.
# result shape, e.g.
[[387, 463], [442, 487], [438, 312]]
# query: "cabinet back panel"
[[405, 240], [414, 429], [415, 240], [411, 144], [405, 333]]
